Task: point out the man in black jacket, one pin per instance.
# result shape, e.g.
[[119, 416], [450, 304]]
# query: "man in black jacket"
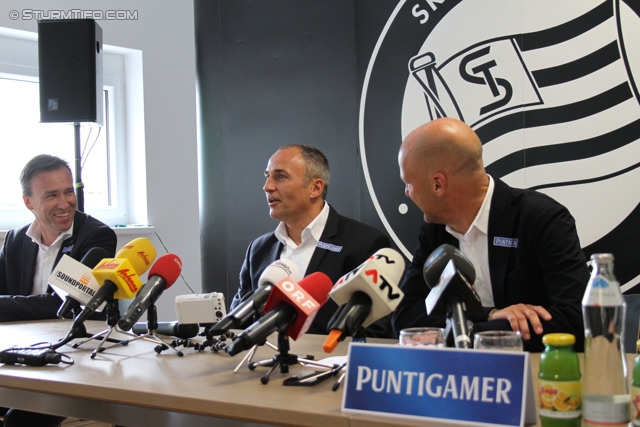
[[531, 273], [311, 233], [29, 254]]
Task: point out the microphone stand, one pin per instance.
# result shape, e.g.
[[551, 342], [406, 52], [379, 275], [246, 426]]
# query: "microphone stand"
[[152, 327], [283, 359], [113, 315], [457, 317]]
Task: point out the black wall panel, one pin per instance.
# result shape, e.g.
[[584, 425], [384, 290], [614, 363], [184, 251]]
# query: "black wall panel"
[[274, 72], [271, 73]]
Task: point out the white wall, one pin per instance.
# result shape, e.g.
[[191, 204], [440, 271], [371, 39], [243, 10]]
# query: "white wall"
[[164, 32]]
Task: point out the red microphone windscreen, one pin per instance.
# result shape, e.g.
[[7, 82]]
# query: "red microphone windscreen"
[[168, 266], [318, 285], [306, 296]]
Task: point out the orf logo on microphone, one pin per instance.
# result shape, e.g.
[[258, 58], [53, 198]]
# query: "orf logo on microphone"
[[294, 292], [289, 292]]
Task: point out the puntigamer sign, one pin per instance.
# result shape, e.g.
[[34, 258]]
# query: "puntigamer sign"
[[450, 384]]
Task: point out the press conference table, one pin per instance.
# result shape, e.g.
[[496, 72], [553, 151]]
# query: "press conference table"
[[134, 386]]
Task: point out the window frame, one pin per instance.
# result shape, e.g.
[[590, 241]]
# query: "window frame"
[[19, 59]]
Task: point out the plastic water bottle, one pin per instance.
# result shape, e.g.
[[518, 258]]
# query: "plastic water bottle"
[[605, 393]]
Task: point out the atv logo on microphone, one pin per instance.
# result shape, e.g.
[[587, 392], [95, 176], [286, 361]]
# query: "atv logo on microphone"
[[554, 98]]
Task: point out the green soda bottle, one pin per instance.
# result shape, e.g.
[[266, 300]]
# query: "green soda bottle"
[[560, 388], [635, 387]]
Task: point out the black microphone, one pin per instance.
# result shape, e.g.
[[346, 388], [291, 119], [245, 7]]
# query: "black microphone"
[[450, 276], [253, 303], [348, 318], [291, 307], [364, 295], [172, 329], [162, 275], [438, 260]]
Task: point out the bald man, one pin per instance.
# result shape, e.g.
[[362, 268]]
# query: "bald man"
[[531, 272]]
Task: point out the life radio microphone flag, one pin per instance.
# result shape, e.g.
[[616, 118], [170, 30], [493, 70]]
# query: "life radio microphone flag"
[[253, 303], [164, 272], [291, 308], [133, 260], [73, 282], [118, 276], [365, 295], [140, 253]]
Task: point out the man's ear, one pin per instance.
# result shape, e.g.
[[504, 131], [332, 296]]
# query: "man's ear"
[[438, 182], [27, 202], [317, 186]]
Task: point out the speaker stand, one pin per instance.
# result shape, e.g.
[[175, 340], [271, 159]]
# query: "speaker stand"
[[79, 186]]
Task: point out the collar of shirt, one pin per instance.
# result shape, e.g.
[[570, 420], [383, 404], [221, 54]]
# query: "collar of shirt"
[[481, 221], [301, 254], [313, 230], [46, 258], [36, 235], [474, 245]]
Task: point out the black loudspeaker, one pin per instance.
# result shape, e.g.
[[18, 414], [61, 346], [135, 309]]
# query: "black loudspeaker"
[[70, 71]]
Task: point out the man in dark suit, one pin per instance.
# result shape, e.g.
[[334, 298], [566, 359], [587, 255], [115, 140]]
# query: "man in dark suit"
[[531, 272], [29, 254], [311, 233]]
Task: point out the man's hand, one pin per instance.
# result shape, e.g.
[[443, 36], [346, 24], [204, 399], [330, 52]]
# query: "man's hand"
[[519, 314]]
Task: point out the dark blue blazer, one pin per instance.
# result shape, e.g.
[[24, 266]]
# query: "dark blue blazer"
[[357, 241], [17, 267], [545, 267]]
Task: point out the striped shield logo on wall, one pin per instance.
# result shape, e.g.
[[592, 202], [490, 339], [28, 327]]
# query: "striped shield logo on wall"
[[551, 88]]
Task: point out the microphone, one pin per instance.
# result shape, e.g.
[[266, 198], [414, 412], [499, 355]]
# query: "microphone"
[[291, 307], [365, 294], [253, 303], [438, 260], [162, 275], [172, 329], [452, 292], [73, 282], [119, 276], [140, 252]]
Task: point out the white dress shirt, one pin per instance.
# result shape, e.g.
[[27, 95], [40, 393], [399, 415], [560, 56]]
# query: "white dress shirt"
[[474, 245], [46, 258], [301, 254]]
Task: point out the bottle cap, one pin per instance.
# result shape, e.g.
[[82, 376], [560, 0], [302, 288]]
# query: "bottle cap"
[[558, 339]]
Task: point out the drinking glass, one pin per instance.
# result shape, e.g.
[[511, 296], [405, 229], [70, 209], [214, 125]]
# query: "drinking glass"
[[498, 340], [423, 337]]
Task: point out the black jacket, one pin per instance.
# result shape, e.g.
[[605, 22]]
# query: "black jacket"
[[356, 242], [545, 267], [17, 267]]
